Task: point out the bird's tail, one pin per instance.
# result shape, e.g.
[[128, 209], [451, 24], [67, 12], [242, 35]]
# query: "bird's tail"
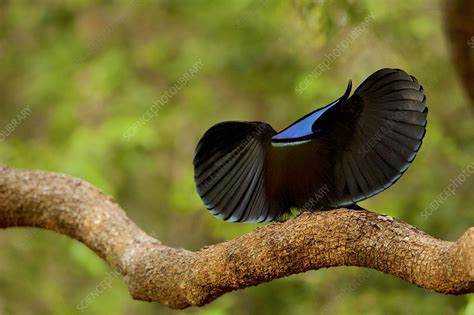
[[387, 135]]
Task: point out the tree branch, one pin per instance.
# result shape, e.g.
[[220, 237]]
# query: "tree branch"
[[179, 278]]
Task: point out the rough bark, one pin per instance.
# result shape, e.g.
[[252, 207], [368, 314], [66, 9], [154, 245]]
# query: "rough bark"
[[179, 278], [459, 22]]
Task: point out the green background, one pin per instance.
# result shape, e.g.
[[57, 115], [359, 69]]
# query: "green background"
[[90, 70]]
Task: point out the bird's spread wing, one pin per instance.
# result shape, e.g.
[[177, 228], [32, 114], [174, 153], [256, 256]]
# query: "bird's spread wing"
[[229, 171], [358, 146], [386, 136]]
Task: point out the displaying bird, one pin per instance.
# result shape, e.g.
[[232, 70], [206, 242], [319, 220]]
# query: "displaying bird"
[[333, 157]]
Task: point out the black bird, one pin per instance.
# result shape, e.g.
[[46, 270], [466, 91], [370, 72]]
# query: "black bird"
[[333, 157]]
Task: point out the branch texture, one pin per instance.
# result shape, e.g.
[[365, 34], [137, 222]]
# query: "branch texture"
[[179, 278]]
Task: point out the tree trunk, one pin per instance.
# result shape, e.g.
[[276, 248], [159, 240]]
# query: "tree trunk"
[[459, 21]]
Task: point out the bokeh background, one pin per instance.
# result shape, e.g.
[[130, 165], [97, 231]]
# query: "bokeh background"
[[87, 71]]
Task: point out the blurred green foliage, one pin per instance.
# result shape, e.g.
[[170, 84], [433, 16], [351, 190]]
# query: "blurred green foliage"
[[89, 70]]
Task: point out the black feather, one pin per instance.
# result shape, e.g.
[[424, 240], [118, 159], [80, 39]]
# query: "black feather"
[[335, 156]]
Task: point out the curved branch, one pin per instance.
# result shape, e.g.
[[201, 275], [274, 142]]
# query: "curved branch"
[[179, 278]]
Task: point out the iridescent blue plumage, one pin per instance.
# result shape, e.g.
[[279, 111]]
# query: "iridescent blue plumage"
[[309, 125], [303, 128]]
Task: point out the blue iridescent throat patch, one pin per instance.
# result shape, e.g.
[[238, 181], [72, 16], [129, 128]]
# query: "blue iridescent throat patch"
[[302, 129]]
